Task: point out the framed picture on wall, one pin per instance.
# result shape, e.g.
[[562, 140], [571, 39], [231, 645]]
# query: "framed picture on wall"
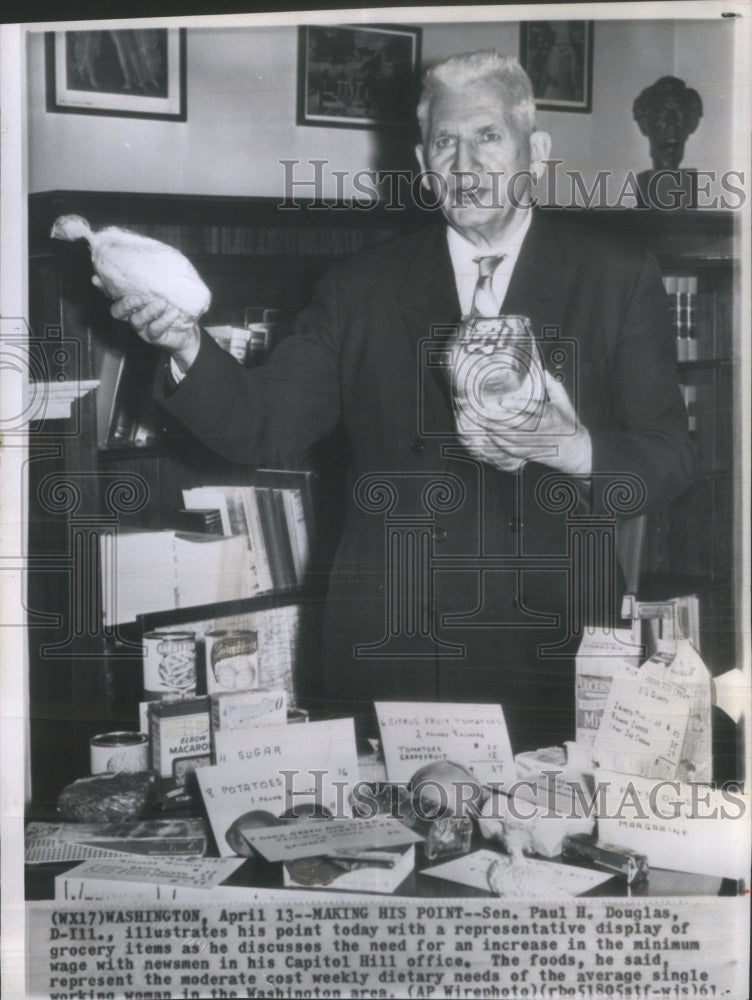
[[127, 73], [357, 77], [558, 58]]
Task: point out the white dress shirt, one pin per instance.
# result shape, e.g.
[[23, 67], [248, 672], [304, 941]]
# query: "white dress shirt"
[[464, 263]]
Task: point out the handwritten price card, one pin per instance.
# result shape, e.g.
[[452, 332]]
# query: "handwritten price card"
[[198, 873], [683, 827], [644, 723], [311, 838], [543, 879], [275, 768], [418, 733]]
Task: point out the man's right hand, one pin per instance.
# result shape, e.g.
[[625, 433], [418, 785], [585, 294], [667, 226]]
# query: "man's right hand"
[[161, 324]]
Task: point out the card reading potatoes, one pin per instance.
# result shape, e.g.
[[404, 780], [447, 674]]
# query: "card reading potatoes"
[[269, 771], [417, 733]]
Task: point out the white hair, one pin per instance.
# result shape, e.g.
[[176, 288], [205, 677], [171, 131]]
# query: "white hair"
[[470, 67]]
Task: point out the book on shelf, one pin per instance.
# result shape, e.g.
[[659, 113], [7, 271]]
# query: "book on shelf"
[[273, 516], [271, 530], [296, 526], [249, 344], [109, 363], [200, 520], [682, 300], [127, 409], [146, 571], [689, 395], [712, 322], [671, 285], [211, 568], [691, 318], [203, 497], [256, 535]]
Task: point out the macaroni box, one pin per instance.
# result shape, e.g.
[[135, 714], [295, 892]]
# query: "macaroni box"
[[180, 734]]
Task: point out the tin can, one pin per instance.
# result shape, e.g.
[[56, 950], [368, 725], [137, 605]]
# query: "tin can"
[[123, 751], [169, 665], [231, 660]]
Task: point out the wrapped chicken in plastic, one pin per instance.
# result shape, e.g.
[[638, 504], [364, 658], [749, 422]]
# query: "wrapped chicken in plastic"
[[130, 264]]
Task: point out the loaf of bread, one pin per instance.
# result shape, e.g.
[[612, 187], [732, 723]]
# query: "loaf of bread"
[[106, 798]]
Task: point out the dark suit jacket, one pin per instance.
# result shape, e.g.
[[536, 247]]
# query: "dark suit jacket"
[[454, 580]]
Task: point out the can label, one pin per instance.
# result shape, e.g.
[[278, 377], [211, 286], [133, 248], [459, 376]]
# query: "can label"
[[122, 751], [231, 658], [169, 665]]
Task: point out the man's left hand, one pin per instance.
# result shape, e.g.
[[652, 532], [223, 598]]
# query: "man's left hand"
[[499, 434]]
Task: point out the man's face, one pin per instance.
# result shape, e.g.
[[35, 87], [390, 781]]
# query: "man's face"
[[667, 132], [477, 150]]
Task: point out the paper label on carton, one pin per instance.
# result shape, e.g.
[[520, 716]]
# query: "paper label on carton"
[[603, 654], [657, 718], [248, 708]]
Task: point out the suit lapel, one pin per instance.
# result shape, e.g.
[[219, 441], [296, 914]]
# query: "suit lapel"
[[539, 276], [426, 289], [427, 296]]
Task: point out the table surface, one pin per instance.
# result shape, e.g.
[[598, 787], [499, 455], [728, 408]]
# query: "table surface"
[[257, 873]]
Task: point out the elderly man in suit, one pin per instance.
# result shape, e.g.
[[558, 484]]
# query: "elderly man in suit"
[[473, 550]]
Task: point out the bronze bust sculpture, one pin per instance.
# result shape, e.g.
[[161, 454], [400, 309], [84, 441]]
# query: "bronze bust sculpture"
[[667, 112]]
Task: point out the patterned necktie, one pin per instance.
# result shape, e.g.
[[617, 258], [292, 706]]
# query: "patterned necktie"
[[485, 302]]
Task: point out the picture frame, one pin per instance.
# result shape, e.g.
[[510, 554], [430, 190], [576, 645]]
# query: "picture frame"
[[351, 76], [128, 73], [558, 58]]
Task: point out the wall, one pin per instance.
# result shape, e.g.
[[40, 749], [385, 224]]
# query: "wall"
[[241, 112]]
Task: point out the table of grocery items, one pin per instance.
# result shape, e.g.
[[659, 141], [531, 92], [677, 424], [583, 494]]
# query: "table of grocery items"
[[438, 834], [239, 789]]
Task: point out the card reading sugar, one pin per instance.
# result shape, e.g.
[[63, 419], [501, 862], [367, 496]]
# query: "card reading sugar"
[[273, 769], [418, 733]]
